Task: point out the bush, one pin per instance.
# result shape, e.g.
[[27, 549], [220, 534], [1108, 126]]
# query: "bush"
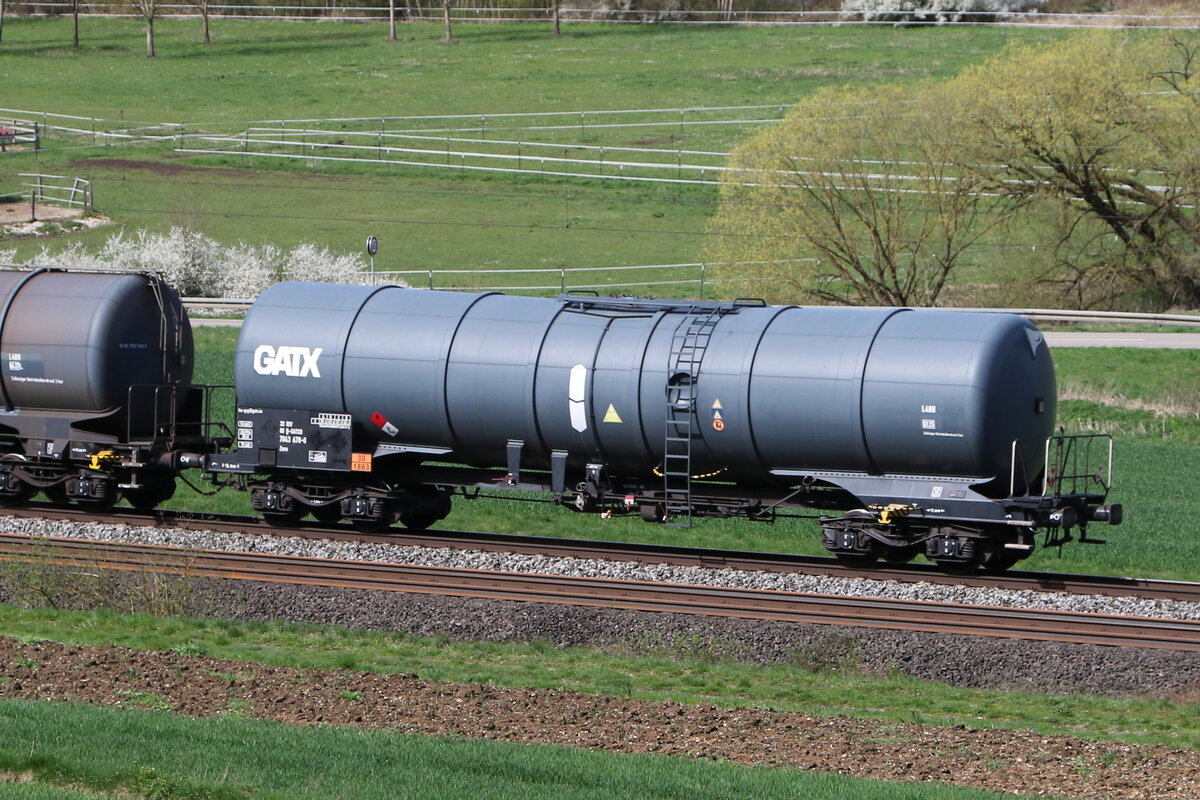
[[198, 266]]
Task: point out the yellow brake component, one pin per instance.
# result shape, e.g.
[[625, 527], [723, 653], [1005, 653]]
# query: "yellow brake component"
[[102, 459]]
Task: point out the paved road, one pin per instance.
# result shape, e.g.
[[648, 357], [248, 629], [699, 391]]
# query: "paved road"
[[1170, 341]]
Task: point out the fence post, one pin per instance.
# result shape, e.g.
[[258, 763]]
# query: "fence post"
[[562, 280], [701, 280], [430, 279]]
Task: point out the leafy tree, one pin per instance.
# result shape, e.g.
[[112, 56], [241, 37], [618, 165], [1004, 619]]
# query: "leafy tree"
[[851, 198], [1103, 124]]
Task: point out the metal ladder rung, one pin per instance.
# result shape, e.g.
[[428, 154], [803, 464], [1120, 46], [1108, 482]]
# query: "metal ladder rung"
[[688, 345]]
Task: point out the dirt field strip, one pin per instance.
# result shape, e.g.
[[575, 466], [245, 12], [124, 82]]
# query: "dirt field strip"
[[999, 760]]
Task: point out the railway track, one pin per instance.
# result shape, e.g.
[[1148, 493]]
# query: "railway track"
[[923, 616], [1114, 586]]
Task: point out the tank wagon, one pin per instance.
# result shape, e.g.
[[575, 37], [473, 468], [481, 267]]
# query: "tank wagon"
[[94, 387], [917, 431]]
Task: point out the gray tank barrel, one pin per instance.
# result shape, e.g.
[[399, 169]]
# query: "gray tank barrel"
[[76, 341], [787, 388]]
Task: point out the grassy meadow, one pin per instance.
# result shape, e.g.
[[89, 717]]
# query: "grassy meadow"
[[424, 218]]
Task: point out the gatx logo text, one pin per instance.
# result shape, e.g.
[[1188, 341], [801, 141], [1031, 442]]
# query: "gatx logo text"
[[296, 362]]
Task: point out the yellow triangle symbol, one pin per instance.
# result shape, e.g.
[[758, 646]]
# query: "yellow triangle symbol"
[[717, 403], [717, 415], [612, 415]]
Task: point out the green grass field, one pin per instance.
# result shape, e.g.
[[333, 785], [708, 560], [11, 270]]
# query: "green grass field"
[[157, 755]]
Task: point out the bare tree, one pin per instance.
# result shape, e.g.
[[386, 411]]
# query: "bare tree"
[[1, 20], [203, 7], [554, 14], [75, 24], [149, 11], [446, 6], [391, 20]]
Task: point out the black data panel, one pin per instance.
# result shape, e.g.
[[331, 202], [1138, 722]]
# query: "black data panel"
[[294, 439]]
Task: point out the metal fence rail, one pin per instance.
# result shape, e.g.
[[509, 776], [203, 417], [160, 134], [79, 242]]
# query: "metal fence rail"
[[14, 132], [59, 190]]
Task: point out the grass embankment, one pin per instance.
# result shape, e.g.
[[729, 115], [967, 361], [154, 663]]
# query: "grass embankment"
[[155, 755], [809, 685]]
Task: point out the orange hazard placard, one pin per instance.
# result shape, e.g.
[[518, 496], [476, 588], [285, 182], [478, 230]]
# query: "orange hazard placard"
[[360, 462]]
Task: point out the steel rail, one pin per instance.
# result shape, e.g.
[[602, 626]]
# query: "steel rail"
[[1076, 627], [1056, 582]]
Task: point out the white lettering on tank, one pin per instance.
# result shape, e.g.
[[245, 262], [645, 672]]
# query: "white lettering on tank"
[[295, 362]]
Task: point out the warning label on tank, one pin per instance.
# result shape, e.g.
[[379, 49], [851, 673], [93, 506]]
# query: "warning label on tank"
[[360, 462], [334, 421], [385, 426]]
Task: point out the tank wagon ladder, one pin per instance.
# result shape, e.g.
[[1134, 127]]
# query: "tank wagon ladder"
[[688, 344]]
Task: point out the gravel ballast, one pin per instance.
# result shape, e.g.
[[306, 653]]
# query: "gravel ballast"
[[969, 661]]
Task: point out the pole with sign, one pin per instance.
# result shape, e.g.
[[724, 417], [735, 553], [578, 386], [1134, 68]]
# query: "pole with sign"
[[372, 249]]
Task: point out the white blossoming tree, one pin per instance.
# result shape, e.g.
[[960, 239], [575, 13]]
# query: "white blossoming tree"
[[198, 266], [932, 10]]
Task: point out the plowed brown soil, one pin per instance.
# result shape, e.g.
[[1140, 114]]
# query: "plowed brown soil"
[[1001, 760]]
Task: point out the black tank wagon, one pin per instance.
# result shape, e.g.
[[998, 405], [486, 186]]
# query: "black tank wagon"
[[94, 374], [921, 431]]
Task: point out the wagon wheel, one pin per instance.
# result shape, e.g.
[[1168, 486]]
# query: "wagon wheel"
[[284, 519], [156, 489], [328, 514], [983, 553], [902, 554], [56, 494], [20, 491], [376, 525]]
